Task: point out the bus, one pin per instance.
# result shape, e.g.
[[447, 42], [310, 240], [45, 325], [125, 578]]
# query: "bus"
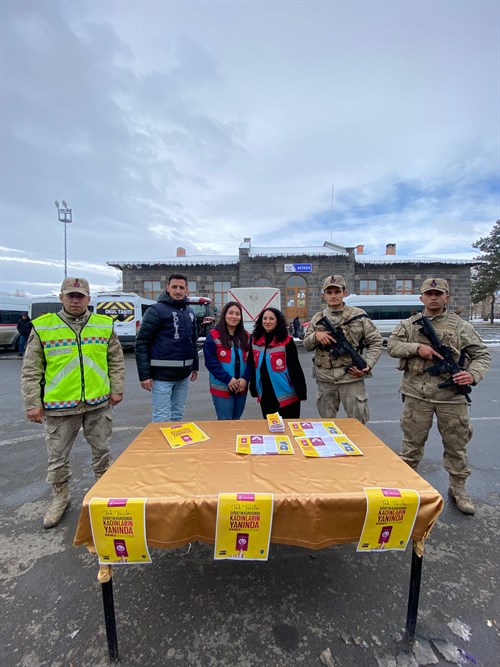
[[127, 310], [11, 308], [386, 311]]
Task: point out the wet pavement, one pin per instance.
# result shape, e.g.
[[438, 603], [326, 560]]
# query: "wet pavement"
[[332, 606]]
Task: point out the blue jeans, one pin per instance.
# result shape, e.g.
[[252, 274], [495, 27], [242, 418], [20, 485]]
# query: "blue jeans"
[[231, 407], [169, 400], [22, 344]]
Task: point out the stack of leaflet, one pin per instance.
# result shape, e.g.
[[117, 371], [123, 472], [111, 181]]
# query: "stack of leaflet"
[[275, 423]]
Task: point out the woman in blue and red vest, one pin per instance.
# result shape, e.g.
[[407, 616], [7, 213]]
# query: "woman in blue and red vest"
[[226, 351], [277, 379]]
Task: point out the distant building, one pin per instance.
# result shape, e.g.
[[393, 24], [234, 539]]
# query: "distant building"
[[299, 273]]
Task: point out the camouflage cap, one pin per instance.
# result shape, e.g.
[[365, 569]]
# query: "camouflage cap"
[[334, 281], [439, 284], [78, 285]]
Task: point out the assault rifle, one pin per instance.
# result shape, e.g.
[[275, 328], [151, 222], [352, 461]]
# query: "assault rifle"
[[445, 365], [342, 346]]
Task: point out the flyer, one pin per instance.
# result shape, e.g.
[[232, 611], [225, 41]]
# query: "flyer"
[[308, 429], [243, 528], [390, 517], [180, 435], [119, 530], [263, 444], [327, 446]]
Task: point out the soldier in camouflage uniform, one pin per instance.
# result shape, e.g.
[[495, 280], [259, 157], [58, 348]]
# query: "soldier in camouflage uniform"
[[419, 389], [337, 379], [73, 373]]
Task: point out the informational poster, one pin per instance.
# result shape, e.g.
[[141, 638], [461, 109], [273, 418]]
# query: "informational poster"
[[263, 444], [243, 529], [390, 517], [180, 435], [119, 530], [309, 429], [327, 446]]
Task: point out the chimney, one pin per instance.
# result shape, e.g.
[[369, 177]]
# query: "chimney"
[[181, 252], [360, 249], [390, 249]]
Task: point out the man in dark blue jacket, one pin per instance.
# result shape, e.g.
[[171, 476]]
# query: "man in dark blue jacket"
[[166, 351]]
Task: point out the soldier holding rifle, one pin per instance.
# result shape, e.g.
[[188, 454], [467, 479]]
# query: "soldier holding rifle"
[[442, 356], [347, 345]]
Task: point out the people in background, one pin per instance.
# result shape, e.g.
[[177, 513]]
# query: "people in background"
[[338, 380], [24, 327], [226, 351], [166, 350], [73, 374], [277, 379], [423, 398], [296, 326]]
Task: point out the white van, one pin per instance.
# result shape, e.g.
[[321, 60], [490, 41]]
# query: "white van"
[[386, 311], [11, 308], [126, 309]]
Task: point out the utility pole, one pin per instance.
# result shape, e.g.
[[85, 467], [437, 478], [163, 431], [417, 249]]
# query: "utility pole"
[[65, 215]]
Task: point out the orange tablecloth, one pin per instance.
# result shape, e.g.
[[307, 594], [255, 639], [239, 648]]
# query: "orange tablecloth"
[[317, 501]]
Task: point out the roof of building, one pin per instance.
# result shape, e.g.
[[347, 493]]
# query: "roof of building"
[[414, 259], [169, 261]]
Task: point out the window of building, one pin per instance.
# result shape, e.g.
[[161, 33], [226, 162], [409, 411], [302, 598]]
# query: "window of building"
[[152, 289], [221, 289], [263, 282], [404, 286], [368, 287], [192, 287]]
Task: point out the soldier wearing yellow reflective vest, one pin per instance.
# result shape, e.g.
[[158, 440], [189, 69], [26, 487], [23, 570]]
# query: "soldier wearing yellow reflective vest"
[[73, 373]]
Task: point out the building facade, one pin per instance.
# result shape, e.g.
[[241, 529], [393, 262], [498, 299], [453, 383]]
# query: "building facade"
[[299, 274]]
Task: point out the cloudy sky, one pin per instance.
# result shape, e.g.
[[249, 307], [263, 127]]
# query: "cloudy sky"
[[196, 124]]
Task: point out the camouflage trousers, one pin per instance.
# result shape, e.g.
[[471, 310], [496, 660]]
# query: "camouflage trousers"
[[60, 434], [352, 395], [453, 424]]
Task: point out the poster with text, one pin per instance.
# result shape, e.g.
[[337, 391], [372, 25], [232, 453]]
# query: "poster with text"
[[180, 435], [119, 530], [243, 529], [390, 517]]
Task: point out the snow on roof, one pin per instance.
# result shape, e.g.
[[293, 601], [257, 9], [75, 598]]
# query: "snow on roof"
[[309, 251], [182, 261], [415, 259]]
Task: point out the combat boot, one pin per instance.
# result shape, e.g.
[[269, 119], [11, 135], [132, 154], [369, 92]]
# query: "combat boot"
[[60, 502], [460, 496]]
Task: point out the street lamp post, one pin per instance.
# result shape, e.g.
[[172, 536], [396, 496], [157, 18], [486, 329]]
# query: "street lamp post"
[[65, 216]]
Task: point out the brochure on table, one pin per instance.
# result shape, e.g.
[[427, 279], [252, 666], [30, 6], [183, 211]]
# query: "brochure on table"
[[390, 517], [180, 435], [243, 528], [119, 530], [263, 444]]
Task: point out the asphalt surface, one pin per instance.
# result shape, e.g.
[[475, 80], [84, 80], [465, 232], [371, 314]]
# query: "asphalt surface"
[[185, 609]]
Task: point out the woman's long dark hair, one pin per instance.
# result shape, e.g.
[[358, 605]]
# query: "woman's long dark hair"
[[240, 336], [280, 332]]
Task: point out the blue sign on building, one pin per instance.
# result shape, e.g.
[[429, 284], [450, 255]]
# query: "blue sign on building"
[[298, 268]]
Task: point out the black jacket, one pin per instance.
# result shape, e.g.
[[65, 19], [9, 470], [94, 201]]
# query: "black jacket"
[[24, 326], [165, 347]]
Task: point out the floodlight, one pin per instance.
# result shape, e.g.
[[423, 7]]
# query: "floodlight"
[[56, 203], [64, 204]]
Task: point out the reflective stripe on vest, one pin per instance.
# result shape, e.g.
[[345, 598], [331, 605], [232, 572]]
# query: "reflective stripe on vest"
[[76, 365]]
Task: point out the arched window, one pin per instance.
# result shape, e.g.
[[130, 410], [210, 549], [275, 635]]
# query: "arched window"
[[263, 282], [296, 298]]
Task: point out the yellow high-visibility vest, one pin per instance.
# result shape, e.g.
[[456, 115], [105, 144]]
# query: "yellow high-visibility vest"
[[76, 364]]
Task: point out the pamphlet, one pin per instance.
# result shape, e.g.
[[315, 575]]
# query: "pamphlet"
[[243, 528], [275, 423], [390, 517], [309, 429], [263, 444], [328, 446], [180, 435], [119, 530]]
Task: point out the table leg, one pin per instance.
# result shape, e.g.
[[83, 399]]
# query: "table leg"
[[413, 596], [109, 619]]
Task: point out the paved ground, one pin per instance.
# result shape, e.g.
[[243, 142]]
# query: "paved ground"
[[185, 609]]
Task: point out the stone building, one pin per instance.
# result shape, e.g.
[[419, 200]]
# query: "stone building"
[[298, 273]]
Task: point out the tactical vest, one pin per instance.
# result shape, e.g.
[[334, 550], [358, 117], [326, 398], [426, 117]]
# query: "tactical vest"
[[76, 365]]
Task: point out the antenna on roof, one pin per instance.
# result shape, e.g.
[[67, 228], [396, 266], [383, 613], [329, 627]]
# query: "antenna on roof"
[[331, 226]]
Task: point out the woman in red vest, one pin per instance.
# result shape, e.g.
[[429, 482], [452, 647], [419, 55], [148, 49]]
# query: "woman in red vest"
[[226, 352], [277, 380]]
